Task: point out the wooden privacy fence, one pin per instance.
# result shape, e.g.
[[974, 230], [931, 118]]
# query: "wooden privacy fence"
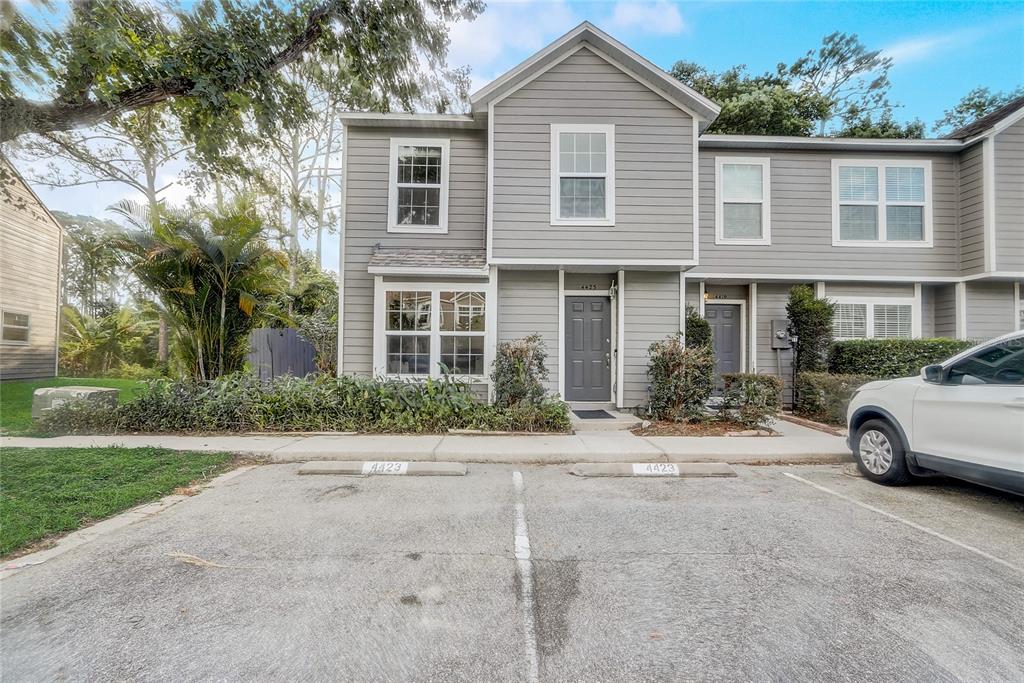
[[274, 352]]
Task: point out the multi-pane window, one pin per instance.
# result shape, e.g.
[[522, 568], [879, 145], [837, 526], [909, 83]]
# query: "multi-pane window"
[[582, 159], [743, 208], [418, 189], [462, 332], [881, 202], [855, 320], [15, 327], [407, 332], [430, 329]]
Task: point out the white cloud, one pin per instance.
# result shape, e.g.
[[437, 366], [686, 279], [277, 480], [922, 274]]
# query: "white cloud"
[[923, 47], [505, 34], [658, 18]]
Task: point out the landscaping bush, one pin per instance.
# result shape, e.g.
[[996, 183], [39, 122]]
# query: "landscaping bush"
[[752, 400], [891, 357], [825, 397], [520, 371], [810, 321], [239, 402], [682, 380], [698, 330]]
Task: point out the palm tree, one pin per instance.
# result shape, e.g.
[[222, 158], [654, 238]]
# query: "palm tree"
[[91, 345], [211, 270]]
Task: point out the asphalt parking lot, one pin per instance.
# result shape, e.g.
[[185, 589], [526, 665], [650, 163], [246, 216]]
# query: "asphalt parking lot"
[[782, 573]]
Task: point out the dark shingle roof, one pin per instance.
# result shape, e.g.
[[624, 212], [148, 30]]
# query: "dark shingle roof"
[[985, 122], [426, 259]]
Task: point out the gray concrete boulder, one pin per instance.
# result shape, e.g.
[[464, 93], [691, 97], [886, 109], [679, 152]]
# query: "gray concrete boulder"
[[51, 397]]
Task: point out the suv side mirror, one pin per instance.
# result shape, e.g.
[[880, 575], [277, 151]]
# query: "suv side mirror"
[[932, 373]]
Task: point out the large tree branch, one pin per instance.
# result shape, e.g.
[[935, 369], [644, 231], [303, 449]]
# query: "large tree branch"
[[19, 115]]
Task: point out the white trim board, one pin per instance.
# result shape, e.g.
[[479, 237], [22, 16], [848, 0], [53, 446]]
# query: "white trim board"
[[556, 262], [561, 333], [342, 235], [988, 179], [428, 272], [620, 340]]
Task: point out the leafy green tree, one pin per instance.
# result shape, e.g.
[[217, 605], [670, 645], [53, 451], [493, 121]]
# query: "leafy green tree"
[[211, 271], [93, 346], [91, 269], [810, 321], [754, 105], [974, 105], [218, 64], [885, 126], [853, 79]]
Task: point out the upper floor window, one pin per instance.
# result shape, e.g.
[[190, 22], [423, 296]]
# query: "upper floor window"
[[15, 327], [743, 200], [881, 203], [582, 174], [418, 185]]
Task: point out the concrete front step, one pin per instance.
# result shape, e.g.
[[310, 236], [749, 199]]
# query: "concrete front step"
[[618, 421]]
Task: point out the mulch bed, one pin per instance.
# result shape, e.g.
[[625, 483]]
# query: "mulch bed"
[[716, 428]]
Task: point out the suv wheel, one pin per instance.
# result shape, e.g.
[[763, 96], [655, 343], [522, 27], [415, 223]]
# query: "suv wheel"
[[880, 454]]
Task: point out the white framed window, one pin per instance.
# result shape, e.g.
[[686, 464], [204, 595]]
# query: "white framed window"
[[742, 200], [881, 203], [881, 318], [15, 327], [582, 174], [418, 327], [418, 185]]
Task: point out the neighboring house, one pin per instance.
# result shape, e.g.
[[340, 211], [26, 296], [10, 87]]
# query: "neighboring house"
[[30, 254], [582, 200]]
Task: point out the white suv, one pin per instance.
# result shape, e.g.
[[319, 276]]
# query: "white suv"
[[963, 418]]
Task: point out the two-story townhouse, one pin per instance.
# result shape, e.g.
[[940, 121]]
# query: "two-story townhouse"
[[582, 200]]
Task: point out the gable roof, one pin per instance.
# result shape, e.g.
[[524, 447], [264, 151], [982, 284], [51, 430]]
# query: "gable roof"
[[18, 178], [635, 65], [981, 125]]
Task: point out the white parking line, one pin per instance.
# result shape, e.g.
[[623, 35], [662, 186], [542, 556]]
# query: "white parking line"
[[524, 569], [914, 525]]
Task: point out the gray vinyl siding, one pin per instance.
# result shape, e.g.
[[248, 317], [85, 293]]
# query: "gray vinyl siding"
[[599, 282], [927, 312], [30, 245], [945, 310], [651, 313], [801, 222], [1009, 196], [869, 289], [989, 309], [366, 216], [972, 210], [771, 305], [528, 304], [653, 160]]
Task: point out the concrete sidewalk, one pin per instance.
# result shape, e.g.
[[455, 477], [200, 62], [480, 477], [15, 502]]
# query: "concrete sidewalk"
[[797, 444]]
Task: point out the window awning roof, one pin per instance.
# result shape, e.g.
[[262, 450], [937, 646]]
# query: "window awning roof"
[[431, 262]]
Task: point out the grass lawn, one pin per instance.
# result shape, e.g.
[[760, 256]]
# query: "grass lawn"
[[46, 491], [16, 397]]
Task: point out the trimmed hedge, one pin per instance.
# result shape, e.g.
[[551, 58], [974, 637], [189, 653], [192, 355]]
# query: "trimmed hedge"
[[885, 358], [752, 400], [240, 403], [682, 380], [825, 397]]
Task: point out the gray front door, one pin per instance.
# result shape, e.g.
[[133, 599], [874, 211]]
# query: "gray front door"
[[588, 348], [725, 334]]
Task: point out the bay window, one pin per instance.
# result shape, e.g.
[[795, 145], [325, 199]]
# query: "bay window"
[[430, 330], [582, 174], [881, 203], [742, 200]]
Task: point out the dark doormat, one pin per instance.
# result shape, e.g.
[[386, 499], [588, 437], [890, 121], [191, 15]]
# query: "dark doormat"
[[594, 415]]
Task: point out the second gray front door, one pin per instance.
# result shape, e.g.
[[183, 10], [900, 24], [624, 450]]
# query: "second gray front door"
[[725, 333], [588, 348]]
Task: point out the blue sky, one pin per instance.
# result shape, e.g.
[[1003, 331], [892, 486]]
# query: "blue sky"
[[941, 49]]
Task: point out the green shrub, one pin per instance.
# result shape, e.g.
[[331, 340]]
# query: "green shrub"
[[824, 397], [891, 357], [810, 321], [682, 380], [520, 371], [752, 400], [239, 402], [698, 330]]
